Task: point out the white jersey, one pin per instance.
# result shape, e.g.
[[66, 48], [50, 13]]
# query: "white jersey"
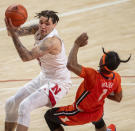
[[54, 66], [51, 85]]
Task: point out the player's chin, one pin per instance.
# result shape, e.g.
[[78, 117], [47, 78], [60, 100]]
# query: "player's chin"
[[43, 33]]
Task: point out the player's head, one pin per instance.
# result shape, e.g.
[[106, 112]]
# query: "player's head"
[[47, 21], [110, 61]]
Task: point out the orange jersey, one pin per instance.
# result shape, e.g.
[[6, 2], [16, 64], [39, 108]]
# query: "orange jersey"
[[88, 105], [95, 88]]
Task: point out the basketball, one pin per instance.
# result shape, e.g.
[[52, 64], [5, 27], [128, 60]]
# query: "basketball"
[[17, 13]]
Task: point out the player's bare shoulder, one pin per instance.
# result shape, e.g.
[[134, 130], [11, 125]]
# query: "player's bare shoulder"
[[56, 41], [57, 44], [52, 44]]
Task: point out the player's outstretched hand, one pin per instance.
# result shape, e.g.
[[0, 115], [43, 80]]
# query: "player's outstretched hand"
[[9, 26], [82, 40]]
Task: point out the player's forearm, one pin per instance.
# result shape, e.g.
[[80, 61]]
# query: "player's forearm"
[[114, 98], [22, 51], [29, 30], [72, 64], [72, 59]]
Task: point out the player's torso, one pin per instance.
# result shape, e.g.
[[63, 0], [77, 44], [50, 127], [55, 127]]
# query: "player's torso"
[[54, 66], [94, 98]]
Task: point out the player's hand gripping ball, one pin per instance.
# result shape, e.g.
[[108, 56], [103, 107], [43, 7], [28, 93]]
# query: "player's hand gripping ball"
[[17, 13]]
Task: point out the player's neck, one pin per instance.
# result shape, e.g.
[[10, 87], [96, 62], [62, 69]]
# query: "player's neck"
[[107, 74]]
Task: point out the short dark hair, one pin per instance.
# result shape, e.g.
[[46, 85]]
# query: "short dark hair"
[[112, 60], [49, 14]]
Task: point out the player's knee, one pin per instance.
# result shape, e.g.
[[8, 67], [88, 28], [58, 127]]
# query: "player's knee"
[[52, 120], [24, 108], [47, 115], [99, 124], [10, 104]]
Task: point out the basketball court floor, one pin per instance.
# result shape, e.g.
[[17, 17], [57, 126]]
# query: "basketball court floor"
[[109, 24]]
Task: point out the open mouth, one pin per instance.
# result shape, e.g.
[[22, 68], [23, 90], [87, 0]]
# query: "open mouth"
[[43, 31]]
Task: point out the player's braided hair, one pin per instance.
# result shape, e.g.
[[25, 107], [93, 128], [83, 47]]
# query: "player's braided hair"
[[49, 14], [112, 60]]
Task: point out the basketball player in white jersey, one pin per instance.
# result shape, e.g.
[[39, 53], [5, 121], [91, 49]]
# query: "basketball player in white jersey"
[[51, 84]]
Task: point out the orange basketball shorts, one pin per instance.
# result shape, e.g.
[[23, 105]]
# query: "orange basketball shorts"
[[69, 115]]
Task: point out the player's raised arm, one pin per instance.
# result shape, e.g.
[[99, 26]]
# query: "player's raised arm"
[[23, 31], [18, 15], [46, 46], [28, 30], [72, 64]]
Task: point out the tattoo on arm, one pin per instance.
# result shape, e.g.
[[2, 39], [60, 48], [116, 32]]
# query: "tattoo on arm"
[[46, 45], [43, 47], [22, 51], [29, 30]]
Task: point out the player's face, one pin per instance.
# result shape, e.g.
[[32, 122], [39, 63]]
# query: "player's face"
[[45, 26]]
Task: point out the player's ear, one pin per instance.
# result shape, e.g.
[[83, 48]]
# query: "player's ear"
[[54, 25]]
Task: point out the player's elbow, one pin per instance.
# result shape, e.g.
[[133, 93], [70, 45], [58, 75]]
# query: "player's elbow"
[[69, 66], [28, 57], [25, 59], [118, 99]]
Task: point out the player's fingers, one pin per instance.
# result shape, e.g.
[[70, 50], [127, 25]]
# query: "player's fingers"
[[10, 22], [85, 42], [11, 25], [8, 26], [6, 21], [82, 39], [84, 36], [9, 34]]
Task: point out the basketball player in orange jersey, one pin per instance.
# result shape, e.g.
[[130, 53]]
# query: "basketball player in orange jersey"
[[90, 96], [51, 84]]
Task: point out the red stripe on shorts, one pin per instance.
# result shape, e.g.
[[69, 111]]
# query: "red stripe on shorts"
[[52, 99]]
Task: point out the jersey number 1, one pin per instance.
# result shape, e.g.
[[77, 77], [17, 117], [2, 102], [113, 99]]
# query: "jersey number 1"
[[103, 93]]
